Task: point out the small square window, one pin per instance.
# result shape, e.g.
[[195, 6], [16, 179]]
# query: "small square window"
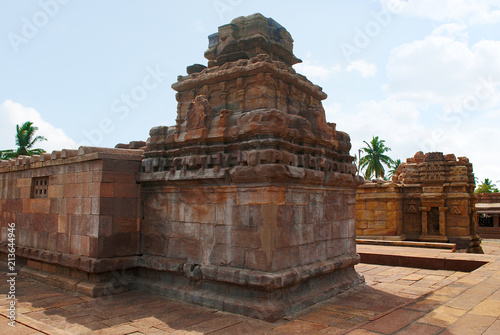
[[39, 187]]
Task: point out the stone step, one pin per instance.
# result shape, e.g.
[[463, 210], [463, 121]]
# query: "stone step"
[[415, 244]]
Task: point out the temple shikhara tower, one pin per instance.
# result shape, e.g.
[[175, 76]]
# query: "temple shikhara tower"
[[249, 200]]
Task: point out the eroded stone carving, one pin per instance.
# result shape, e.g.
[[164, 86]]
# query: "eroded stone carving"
[[436, 193], [258, 187], [199, 114], [250, 98]]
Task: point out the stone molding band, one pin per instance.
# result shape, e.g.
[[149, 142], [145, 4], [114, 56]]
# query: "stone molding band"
[[266, 281]]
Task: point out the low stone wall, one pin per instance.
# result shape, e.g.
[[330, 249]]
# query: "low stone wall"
[[488, 215], [488, 198], [72, 210], [379, 211]]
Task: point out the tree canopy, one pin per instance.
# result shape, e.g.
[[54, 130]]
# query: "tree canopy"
[[486, 186], [25, 140], [394, 167], [374, 159]]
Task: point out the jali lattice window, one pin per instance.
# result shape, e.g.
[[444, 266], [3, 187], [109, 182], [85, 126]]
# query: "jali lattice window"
[[39, 187], [485, 220]]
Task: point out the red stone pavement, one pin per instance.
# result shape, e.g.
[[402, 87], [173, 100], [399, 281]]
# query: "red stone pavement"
[[395, 300]]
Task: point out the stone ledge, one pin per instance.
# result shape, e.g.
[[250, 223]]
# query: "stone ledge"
[[65, 156], [135, 153], [253, 174], [367, 184], [158, 146], [264, 305], [380, 196], [273, 281], [451, 246], [82, 263], [246, 68], [113, 284], [422, 262], [267, 281], [88, 288]]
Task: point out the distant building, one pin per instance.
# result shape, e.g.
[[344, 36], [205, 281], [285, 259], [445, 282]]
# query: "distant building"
[[488, 215], [431, 199]]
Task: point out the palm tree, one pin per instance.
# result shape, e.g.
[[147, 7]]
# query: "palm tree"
[[394, 167], [374, 159], [355, 162], [25, 140], [487, 186], [6, 154]]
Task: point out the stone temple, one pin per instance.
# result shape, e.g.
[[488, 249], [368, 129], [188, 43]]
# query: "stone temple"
[[431, 199], [246, 205]]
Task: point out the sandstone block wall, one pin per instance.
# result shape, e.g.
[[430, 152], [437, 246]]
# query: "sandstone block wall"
[[250, 249], [379, 210], [262, 228], [90, 209]]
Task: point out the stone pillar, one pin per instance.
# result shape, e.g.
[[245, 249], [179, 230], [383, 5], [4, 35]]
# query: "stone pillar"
[[442, 220], [424, 211]]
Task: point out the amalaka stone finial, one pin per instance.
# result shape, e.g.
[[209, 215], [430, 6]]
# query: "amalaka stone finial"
[[248, 36]]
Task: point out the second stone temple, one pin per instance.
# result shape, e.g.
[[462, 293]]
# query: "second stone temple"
[[249, 200]]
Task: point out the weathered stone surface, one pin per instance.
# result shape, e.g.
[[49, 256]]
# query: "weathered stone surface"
[[431, 198], [246, 37], [195, 68], [253, 159], [68, 229], [252, 118]]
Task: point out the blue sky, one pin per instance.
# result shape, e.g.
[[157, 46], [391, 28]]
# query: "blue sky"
[[423, 75]]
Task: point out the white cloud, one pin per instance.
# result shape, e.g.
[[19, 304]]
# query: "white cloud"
[[460, 83], [313, 71], [396, 122], [441, 69], [473, 138], [363, 67], [12, 114], [442, 92], [452, 30], [402, 125], [199, 27], [332, 110], [471, 11]]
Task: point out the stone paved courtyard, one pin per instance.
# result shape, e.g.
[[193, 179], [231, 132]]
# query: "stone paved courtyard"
[[395, 300]]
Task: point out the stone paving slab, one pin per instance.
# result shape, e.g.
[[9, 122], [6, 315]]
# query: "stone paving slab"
[[394, 300]]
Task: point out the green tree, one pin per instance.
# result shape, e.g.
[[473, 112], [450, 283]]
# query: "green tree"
[[486, 186], [375, 158], [25, 140], [355, 162], [394, 167]]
